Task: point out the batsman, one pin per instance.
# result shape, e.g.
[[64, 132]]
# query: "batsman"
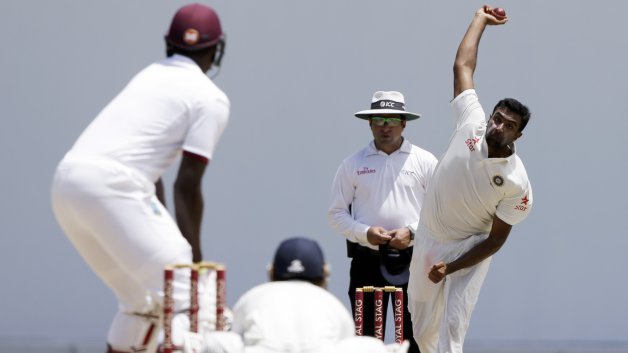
[[107, 192]]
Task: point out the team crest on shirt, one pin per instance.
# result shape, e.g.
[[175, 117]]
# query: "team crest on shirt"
[[296, 267], [365, 170], [498, 180]]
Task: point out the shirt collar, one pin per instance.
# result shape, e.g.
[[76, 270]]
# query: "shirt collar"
[[181, 61], [498, 160], [406, 147]]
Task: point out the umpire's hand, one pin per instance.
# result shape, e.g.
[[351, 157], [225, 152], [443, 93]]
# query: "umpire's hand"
[[377, 235], [400, 238]]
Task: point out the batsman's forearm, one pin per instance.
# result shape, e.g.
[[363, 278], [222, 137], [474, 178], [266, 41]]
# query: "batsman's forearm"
[[159, 191], [189, 213]]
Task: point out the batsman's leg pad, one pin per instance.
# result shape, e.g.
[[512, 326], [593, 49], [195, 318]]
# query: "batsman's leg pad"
[[131, 332]]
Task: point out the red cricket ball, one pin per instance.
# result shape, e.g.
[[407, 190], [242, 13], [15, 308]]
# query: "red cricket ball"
[[499, 13]]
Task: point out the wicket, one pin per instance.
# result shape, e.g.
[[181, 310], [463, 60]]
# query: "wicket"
[[168, 306], [379, 310]]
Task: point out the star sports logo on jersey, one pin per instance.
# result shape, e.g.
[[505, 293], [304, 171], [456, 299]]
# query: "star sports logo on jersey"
[[523, 206], [472, 142], [365, 170]]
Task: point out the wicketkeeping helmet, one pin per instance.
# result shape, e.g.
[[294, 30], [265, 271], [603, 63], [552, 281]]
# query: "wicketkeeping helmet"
[[195, 27]]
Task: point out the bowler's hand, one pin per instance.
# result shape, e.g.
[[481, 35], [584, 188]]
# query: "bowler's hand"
[[400, 238], [437, 272], [377, 235], [486, 13]]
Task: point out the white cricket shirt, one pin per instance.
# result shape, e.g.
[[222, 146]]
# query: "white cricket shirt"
[[290, 316], [168, 107], [468, 188], [382, 190]]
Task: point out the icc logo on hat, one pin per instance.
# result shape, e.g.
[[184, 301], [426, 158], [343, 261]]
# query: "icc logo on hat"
[[387, 102]]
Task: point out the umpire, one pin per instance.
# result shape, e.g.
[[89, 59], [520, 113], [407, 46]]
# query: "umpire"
[[376, 199]]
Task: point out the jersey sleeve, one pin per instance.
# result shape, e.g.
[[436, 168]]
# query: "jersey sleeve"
[[515, 208], [466, 108], [429, 166], [209, 120], [339, 216]]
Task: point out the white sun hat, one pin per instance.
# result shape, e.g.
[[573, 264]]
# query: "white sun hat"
[[387, 102]]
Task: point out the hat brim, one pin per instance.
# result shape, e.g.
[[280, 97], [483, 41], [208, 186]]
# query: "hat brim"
[[395, 266], [366, 114], [396, 279]]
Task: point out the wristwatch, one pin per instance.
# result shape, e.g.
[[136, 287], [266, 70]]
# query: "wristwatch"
[[411, 232]]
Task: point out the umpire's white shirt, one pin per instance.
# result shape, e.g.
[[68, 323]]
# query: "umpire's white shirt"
[[468, 188], [290, 316], [168, 107], [382, 190]]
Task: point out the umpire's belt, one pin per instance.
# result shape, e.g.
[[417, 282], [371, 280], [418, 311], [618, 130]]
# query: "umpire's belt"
[[394, 264], [355, 249]]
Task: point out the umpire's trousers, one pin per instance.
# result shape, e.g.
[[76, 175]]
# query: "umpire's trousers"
[[365, 272]]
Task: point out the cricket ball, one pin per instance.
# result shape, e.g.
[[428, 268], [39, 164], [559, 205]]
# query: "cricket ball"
[[499, 13]]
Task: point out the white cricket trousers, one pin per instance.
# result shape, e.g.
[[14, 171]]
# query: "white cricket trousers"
[[441, 312], [112, 217]]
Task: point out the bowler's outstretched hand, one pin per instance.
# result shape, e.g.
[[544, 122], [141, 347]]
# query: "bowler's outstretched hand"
[[493, 16]]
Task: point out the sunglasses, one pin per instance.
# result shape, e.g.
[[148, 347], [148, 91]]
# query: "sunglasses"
[[380, 121]]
